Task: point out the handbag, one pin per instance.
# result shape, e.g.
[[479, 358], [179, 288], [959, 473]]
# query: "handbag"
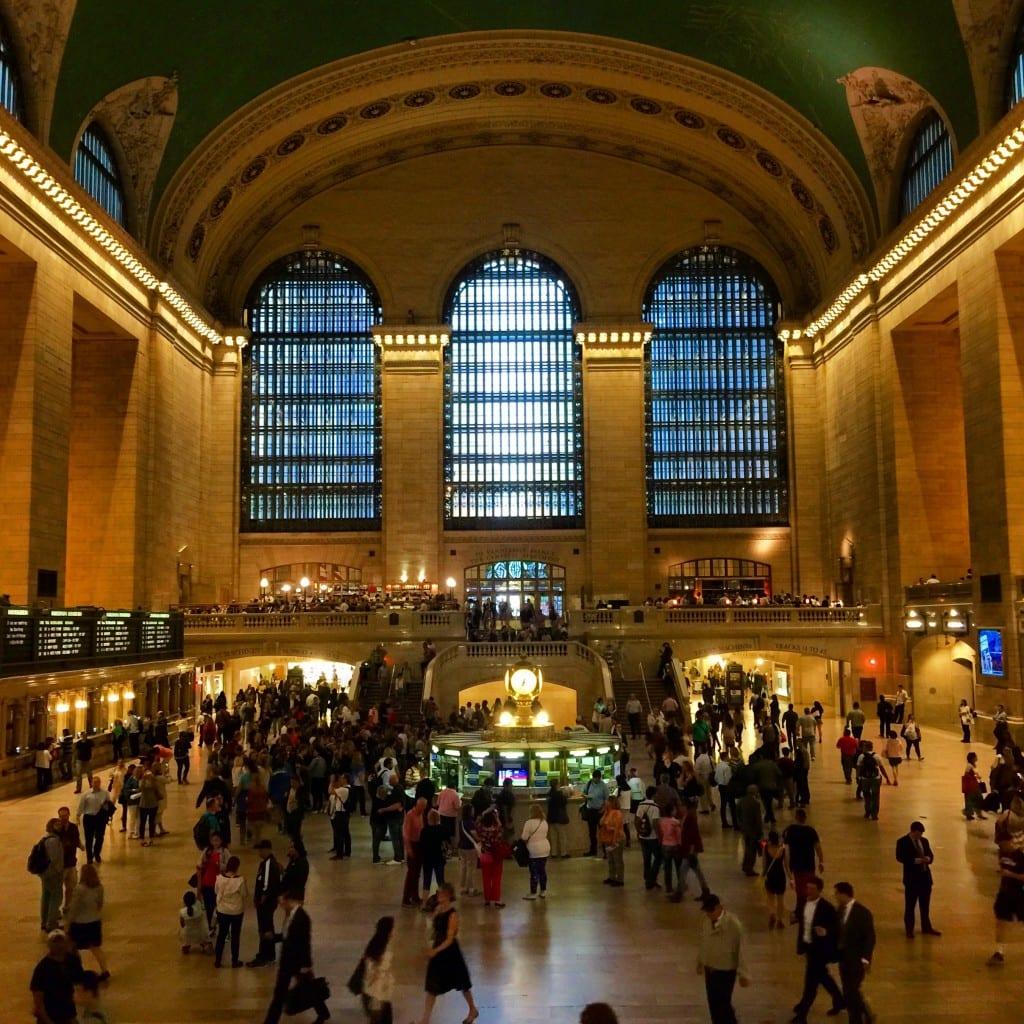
[[306, 994], [355, 983], [521, 853]]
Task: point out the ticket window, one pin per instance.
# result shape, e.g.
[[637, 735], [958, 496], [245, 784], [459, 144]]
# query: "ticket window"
[[545, 771], [477, 769]]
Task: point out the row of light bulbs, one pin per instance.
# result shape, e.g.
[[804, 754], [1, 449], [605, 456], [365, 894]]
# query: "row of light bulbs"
[[73, 210], [615, 337], [62, 707], [433, 339], [942, 211]]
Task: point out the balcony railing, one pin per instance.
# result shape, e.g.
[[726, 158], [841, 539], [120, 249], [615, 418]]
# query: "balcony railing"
[[649, 620], [939, 593], [357, 625]]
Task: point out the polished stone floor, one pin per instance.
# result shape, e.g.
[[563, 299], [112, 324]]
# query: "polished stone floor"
[[539, 963]]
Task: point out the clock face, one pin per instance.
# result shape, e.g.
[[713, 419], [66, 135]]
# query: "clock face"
[[523, 681]]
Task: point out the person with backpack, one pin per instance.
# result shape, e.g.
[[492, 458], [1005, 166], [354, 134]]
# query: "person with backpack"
[[46, 859], [338, 812], [128, 797], [646, 823], [611, 834], [595, 796], [870, 772]]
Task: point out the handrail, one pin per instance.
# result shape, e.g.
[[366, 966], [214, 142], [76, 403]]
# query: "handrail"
[[647, 693]]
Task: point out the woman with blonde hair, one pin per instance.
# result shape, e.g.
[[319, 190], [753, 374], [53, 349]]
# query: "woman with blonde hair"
[[535, 835], [85, 916]]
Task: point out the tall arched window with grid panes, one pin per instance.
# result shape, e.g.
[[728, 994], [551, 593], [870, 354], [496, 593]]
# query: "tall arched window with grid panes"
[[1015, 77], [513, 417], [715, 394], [97, 172], [929, 160], [10, 81], [311, 452]]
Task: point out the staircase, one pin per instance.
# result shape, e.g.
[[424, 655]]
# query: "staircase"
[[626, 689], [370, 692]]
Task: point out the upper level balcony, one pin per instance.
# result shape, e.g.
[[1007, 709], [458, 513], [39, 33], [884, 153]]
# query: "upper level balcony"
[[939, 608], [630, 621]]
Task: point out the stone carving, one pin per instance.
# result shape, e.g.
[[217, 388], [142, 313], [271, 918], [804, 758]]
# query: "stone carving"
[[883, 105], [455, 56], [139, 117], [41, 28], [987, 26]]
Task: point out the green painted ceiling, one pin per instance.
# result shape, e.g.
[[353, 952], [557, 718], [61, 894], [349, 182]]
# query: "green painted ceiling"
[[226, 52]]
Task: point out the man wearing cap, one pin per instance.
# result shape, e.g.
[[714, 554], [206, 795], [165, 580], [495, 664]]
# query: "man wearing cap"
[[266, 891], [53, 982], [914, 852], [720, 958]]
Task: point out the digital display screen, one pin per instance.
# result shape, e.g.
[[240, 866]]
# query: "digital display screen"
[[516, 772], [114, 635], [156, 634], [990, 651], [17, 637], [62, 638]]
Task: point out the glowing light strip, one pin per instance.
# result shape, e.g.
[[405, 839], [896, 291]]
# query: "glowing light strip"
[[73, 211], [942, 211]]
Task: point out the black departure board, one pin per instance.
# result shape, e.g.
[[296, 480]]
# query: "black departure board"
[[114, 634], [82, 637], [156, 634], [62, 638], [17, 634]]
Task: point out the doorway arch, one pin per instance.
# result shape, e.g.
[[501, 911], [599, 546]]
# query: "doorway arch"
[[514, 580]]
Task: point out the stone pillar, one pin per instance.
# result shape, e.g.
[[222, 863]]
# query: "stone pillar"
[[35, 400], [613, 446], [807, 456], [991, 296], [411, 396], [215, 578]]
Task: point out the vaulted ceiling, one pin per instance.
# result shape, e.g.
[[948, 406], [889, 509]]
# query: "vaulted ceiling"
[[226, 53]]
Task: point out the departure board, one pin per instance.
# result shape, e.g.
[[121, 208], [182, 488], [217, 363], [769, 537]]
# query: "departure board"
[[114, 634], [62, 637], [17, 635], [156, 634]]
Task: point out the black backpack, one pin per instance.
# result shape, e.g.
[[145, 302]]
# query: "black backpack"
[[38, 858], [201, 833], [869, 767]]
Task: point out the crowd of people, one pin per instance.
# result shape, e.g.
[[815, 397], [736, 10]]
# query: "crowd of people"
[[735, 598], [284, 752]]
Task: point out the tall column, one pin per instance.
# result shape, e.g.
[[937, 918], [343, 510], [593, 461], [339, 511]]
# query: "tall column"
[[411, 395], [807, 456], [991, 295], [215, 574], [613, 445], [35, 402]]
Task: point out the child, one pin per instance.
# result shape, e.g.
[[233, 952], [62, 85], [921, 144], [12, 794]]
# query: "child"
[[194, 930], [87, 999]]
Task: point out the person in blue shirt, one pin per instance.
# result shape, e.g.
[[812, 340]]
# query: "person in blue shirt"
[[595, 794]]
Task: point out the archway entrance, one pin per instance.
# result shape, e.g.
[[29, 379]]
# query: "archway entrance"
[[513, 581]]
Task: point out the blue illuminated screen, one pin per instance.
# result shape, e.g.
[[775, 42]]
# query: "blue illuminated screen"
[[990, 651]]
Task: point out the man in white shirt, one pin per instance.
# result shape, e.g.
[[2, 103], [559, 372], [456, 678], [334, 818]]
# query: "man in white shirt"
[[816, 942], [93, 817], [633, 711]]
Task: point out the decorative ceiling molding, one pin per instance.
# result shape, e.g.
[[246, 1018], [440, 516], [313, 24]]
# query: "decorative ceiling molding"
[[770, 207], [138, 118], [506, 68], [884, 106], [40, 29], [989, 28]]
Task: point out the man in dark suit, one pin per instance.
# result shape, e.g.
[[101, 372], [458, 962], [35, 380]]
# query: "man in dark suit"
[[914, 852], [856, 944], [816, 942], [296, 956], [265, 895]]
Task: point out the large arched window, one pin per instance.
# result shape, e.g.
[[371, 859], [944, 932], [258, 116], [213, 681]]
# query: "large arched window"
[[97, 172], [929, 160], [311, 399], [1015, 79], [10, 84], [513, 431], [716, 414]]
